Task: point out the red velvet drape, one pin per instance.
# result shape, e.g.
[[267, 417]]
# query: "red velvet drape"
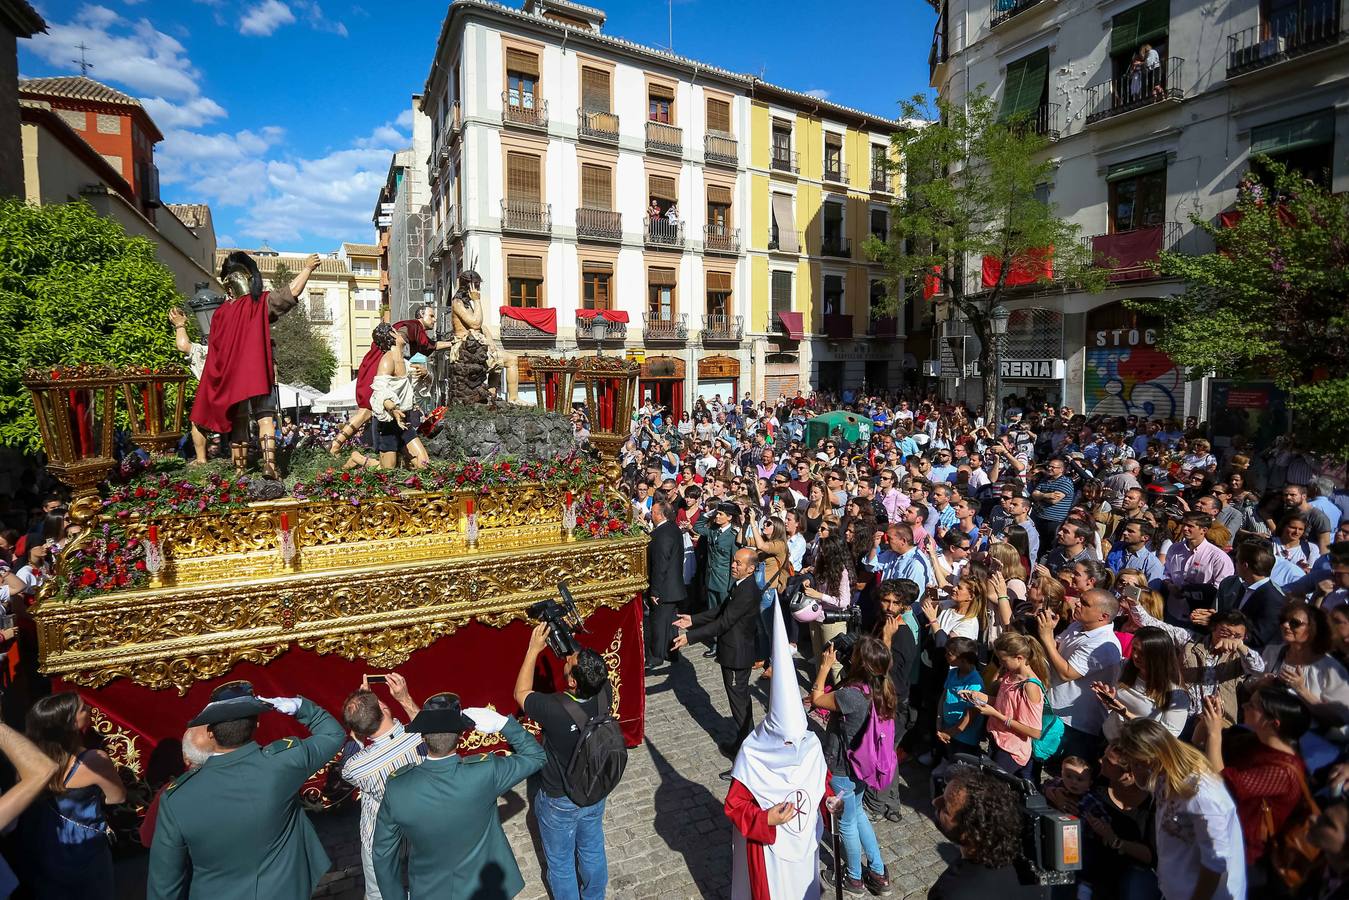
[[1026, 269], [542, 319]]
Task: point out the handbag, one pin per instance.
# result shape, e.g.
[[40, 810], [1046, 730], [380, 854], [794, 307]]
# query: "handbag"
[[1290, 853]]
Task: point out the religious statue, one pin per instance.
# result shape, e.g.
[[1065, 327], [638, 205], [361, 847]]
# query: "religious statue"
[[466, 315], [238, 381]]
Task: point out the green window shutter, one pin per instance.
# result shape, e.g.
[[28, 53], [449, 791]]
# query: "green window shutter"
[[1025, 85], [1135, 167], [1141, 24], [1294, 134]]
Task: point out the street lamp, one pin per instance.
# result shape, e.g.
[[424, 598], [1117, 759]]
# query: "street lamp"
[[599, 330], [997, 327]]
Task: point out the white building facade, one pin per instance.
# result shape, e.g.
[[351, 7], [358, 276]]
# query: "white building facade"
[[1154, 112]]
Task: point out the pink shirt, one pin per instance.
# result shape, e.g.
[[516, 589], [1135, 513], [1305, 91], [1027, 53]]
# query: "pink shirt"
[[1013, 700]]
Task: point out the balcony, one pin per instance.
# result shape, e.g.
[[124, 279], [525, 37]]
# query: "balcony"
[[1132, 255], [1004, 10], [664, 234], [1289, 36], [453, 226], [883, 327], [320, 316], [617, 332], [1125, 94], [837, 326], [936, 55], [775, 242], [880, 179], [785, 161], [662, 138], [530, 114], [437, 248], [599, 225], [665, 329], [455, 123], [836, 245], [517, 331], [835, 172], [1044, 121], [721, 239], [596, 125], [720, 329], [526, 216], [721, 149]]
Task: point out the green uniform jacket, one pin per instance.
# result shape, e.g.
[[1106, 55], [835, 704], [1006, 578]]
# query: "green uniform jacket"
[[720, 550], [446, 810], [233, 829]]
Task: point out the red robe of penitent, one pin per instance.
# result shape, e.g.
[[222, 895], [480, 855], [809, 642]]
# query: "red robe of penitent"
[[418, 340], [751, 820], [238, 361]]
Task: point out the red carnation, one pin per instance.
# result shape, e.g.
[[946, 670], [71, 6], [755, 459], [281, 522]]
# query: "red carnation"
[[121, 580], [459, 479], [88, 577], [140, 492], [140, 565], [346, 476], [594, 527], [224, 498], [614, 525]]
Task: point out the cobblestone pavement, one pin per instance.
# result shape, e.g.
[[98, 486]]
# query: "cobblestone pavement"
[[667, 838]]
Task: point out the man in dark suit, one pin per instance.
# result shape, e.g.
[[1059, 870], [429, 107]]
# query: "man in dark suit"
[[1251, 592], [665, 577], [733, 625]]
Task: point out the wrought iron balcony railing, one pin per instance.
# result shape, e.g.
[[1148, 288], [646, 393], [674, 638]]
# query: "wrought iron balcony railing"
[[1043, 120], [526, 114], [662, 138], [785, 161], [528, 216], [1130, 92], [597, 125], [516, 330], [721, 239], [723, 329], [1132, 255], [1310, 26], [721, 149], [1003, 10], [880, 179], [666, 329], [599, 224], [835, 245], [663, 232], [775, 241], [835, 172], [613, 331]]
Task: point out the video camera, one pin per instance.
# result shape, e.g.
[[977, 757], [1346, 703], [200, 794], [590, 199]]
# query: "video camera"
[[563, 620], [1051, 841]]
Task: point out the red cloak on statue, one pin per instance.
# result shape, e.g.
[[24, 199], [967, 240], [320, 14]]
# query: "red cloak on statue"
[[418, 340], [238, 361]]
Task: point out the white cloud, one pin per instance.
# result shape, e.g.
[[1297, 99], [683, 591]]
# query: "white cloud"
[[313, 12], [817, 93], [405, 119], [146, 60], [189, 114], [266, 18]]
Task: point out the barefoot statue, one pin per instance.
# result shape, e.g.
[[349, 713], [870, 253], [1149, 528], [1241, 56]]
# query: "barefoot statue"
[[466, 314], [238, 380]]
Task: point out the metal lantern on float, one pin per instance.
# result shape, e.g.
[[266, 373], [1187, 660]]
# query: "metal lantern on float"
[[204, 303], [611, 396], [553, 382], [75, 407], [155, 402]]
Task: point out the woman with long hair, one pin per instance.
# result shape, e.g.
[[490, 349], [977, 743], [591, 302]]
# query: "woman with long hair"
[[1126, 581], [1290, 542], [65, 832], [1016, 714], [865, 688], [817, 508], [1044, 593], [768, 537], [1150, 686], [831, 586], [1197, 834], [1088, 574], [1006, 582], [960, 616], [1016, 536], [1263, 771]]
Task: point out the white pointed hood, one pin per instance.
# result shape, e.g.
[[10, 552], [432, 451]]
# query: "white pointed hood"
[[782, 759]]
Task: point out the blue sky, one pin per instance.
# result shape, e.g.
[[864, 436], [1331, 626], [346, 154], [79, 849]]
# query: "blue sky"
[[282, 114]]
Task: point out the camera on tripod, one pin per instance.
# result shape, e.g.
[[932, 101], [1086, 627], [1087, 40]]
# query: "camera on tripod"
[[563, 620], [1051, 841]]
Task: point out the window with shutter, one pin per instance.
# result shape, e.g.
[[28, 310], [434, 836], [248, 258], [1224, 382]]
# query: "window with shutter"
[[524, 276], [596, 187], [660, 104], [594, 89], [718, 115], [1026, 85], [522, 62], [523, 181], [719, 294], [660, 294], [781, 293], [1146, 23], [596, 284], [662, 188], [719, 194]]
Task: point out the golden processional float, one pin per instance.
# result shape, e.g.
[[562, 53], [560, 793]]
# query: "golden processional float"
[[181, 580]]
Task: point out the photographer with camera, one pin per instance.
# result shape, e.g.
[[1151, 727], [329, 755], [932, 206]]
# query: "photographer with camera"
[[569, 805], [981, 815]]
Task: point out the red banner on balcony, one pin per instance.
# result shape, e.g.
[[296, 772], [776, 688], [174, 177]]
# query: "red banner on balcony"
[[609, 315], [792, 321], [1028, 269], [1129, 255], [838, 327], [542, 319], [932, 283]]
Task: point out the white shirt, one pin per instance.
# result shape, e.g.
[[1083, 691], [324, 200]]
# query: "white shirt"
[[1202, 830], [1096, 655], [1172, 716]]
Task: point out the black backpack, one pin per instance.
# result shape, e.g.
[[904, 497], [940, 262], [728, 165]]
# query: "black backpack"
[[600, 756]]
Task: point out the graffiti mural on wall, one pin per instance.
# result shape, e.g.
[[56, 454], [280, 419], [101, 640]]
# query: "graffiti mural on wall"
[[1126, 375]]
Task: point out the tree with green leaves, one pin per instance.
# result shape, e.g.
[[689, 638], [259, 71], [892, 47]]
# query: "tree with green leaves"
[[74, 288], [1271, 302], [971, 178], [302, 353]]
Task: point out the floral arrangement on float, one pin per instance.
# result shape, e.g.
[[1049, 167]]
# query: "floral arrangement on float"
[[602, 517]]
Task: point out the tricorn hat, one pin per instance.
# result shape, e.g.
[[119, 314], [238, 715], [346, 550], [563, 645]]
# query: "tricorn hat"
[[239, 261], [231, 701], [441, 715]]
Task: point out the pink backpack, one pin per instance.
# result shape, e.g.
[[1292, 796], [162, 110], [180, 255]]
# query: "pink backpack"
[[873, 758]]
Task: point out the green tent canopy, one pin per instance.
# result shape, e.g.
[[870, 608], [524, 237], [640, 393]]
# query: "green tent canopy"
[[855, 427]]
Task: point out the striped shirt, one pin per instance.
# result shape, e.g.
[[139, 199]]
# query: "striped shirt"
[[371, 766]]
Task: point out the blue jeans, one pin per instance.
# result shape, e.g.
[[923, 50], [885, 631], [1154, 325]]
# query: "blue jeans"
[[573, 838], [855, 830]]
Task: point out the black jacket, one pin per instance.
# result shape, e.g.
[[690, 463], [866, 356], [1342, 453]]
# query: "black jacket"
[[903, 651], [665, 563], [733, 624], [1262, 609]]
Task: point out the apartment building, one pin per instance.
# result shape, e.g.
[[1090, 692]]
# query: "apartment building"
[[365, 304], [622, 199], [402, 222], [1154, 111]]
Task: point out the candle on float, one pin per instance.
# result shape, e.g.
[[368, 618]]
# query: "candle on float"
[[566, 498], [154, 534], [285, 522], [469, 506]]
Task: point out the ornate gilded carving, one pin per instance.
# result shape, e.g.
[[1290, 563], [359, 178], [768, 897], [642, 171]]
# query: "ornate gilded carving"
[[119, 743]]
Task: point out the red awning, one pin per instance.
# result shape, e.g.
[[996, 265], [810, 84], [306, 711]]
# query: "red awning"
[[792, 322], [1026, 269], [610, 315], [542, 319]]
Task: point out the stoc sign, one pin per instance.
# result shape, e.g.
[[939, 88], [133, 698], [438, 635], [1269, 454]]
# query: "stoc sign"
[[1126, 337]]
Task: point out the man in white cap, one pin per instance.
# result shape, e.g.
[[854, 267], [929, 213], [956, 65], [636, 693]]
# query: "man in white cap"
[[778, 787]]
